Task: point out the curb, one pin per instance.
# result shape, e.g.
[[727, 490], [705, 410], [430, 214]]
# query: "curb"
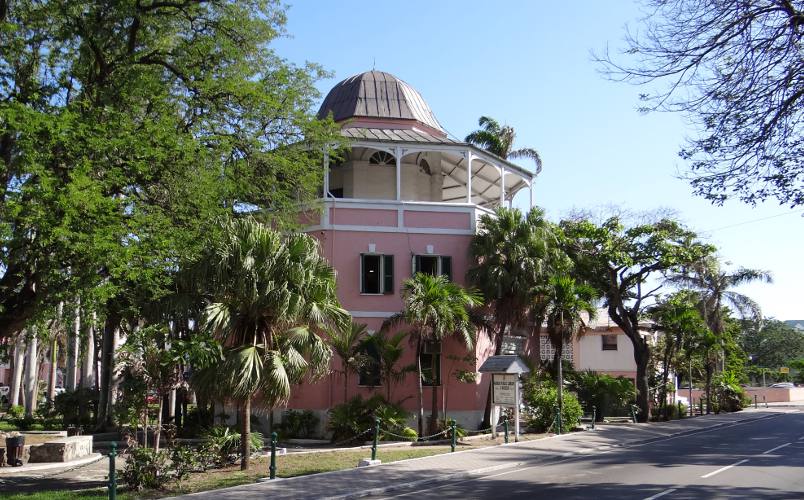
[[14, 471]]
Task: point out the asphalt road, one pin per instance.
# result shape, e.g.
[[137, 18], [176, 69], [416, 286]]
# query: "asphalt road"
[[753, 460]]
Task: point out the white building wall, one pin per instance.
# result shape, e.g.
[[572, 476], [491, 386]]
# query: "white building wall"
[[591, 355]]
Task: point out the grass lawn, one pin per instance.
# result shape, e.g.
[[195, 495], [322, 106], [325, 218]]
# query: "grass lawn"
[[287, 466]]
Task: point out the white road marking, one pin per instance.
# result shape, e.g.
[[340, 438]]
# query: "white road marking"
[[774, 449], [659, 495], [735, 464]]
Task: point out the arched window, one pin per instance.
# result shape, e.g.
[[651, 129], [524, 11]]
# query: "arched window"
[[382, 158], [425, 167]]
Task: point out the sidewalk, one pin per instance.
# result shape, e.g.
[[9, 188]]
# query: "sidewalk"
[[355, 483]]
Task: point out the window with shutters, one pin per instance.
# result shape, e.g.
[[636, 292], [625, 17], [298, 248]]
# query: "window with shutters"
[[434, 265], [376, 274]]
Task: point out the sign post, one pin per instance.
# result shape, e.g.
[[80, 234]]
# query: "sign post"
[[505, 371]]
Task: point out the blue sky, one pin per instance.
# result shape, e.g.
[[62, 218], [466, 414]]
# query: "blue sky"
[[528, 64]]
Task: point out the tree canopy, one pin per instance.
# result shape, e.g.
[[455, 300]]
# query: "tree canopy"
[[736, 69], [126, 127]]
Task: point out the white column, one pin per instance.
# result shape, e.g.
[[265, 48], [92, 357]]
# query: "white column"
[[71, 377], [398, 157], [530, 190], [468, 176], [502, 186], [516, 410]]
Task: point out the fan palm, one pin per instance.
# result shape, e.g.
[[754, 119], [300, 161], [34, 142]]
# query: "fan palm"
[[269, 296], [564, 304], [499, 140], [435, 308], [347, 345]]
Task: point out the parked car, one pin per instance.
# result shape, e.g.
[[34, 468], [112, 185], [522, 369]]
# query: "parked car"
[[783, 385]]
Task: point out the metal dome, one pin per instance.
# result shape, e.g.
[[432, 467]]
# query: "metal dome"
[[380, 96]]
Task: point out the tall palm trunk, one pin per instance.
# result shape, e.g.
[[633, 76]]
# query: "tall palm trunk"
[[559, 376], [105, 417], [245, 434], [88, 372], [31, 375], [709, 370], [16, 374], [434, 400], [420, 387], [54, 360], [345, 383], [73, 344], [158, 431]]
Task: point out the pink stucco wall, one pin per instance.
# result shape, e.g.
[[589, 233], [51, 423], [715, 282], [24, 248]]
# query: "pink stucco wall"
[[363, 217], [447, 220]]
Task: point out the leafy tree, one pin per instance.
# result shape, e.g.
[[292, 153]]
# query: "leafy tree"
[[499, 140], [735, 68], [772, 343], [565, 303], [126, 127], [269, 296], [435, 308], [619, 261], [346, 344]]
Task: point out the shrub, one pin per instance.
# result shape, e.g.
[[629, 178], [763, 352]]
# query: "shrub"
[[298, 424], [72, 405], [225, 442], [727, 394], [611, 396], [352, 419], [184, 461], [541, 400], [16, 411], [445, 425], [146, 468]]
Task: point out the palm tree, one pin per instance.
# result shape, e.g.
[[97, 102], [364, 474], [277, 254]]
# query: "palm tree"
[[715, 287], [347, 345], [499, 140], [564, 303], [435, 308], [269, 297], [513, 254], [389, 351]]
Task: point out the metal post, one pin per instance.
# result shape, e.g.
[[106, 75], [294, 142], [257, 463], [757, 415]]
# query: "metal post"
[[633, 414], [680, 411], [764, 400], [505, 427], [376, 437], [756, 405], [594, 416], [272, 467], [112, 471], [452, 426], [558, 420], [700, 405]]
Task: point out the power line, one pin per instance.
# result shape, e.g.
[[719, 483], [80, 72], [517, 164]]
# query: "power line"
[[752, 221]]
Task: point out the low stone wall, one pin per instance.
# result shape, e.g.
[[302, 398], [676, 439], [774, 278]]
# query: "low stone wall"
[[62, 450], [763, 394]]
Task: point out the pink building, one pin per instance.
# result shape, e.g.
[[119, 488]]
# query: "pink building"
[[404, 198]]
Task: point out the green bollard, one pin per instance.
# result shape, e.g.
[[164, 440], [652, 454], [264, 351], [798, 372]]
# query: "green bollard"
[[700, 405], [594, 416], [633, 414], [765, 400], [454, 434], [112, 472], [272, 467], [680, 412], [756, 405], [376, 438], [505, 426]]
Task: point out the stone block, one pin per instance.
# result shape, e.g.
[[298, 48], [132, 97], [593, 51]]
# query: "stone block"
[[62, 450], [367, 462]]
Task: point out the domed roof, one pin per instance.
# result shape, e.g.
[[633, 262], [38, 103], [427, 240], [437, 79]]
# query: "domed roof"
[[377, 95]]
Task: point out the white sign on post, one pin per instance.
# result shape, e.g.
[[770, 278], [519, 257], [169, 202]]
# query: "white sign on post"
[[504, 391]]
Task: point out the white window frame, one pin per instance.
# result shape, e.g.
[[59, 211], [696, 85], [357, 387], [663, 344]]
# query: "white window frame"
[[382, 257]]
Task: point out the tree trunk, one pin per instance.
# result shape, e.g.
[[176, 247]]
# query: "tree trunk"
[[54, 361], [487, 411], [345, 384], [73, 344], [31, 374], [107, 371], [665, 375], [158, 431], [245, 434], [434, 398], [642, 359], [708, 387], [88, 373], [419, 385], [560, 378], [17, 370]]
